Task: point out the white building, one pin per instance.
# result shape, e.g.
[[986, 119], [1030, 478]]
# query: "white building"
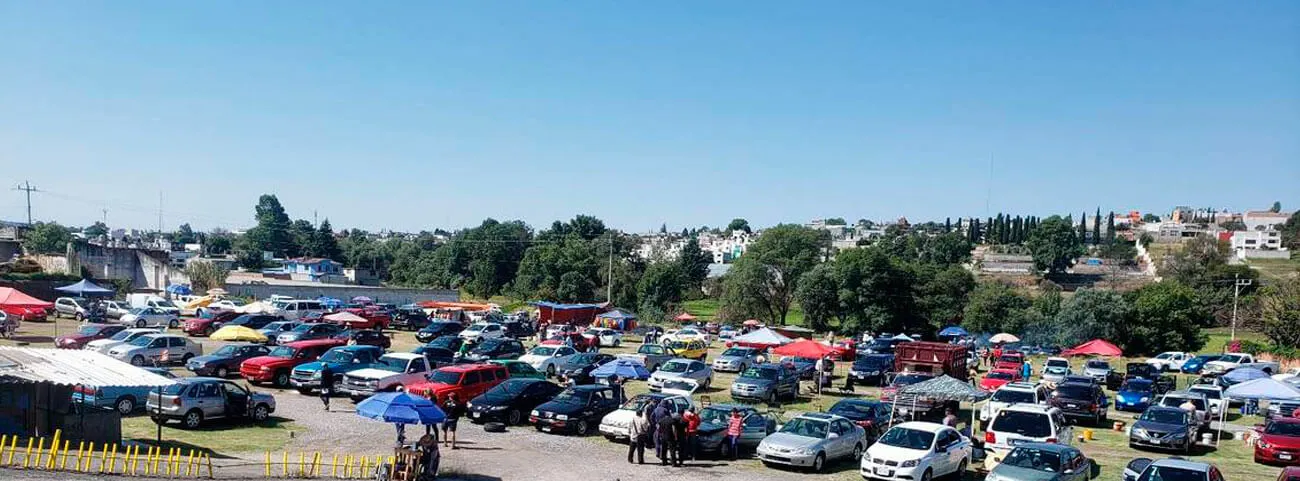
[[1257, 239], [1263, 220]]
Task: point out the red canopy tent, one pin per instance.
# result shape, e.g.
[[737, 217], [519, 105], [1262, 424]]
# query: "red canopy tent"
[[14, 297], [1095, 347], [805, 348], [684, 317], [753, 323]]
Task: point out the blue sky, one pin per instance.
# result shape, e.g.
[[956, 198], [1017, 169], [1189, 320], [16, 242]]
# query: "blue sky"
[[420, 115]]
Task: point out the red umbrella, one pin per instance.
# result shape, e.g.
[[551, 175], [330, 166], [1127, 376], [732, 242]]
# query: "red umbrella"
[[14, 297], [804, 348], [685, 317], [753, 322], [1095, 347]]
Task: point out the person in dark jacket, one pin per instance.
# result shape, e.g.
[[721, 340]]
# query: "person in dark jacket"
[[454, 409], [679, 439], [666, 429], [660, 412], [326, 385]]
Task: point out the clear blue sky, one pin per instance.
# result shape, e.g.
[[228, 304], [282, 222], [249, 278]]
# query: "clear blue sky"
[[429, 114]]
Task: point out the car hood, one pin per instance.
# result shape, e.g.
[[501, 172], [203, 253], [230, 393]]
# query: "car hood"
[[103, 343], [1289, 442], [1017, 473], [533, 358], [372, 373], [787, 440], [729, 358], [755, 382], [560, 407], [894, 453], [311, 366], [1155, 426], [125, 348], [266, 361], [669, 375], [619, 416]]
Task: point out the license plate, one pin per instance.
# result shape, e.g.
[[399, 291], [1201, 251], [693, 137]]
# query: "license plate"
[[1155, 441], [1072, 406], [884, 472], [1283, 456], [474, 415], [546, 429]]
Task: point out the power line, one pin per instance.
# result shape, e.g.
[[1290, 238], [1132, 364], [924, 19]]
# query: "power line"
[[26, 186]]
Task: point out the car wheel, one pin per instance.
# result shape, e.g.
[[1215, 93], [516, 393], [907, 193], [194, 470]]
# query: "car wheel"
[[514, 417], [125, 405], [928, 475], [819, 463], [742, 368], [771, 397], [193, 419], [261, 413], [583, 427], [186, 358], [78, 317], [139, 323], [207, 331], [222, 372], [281, 379], [550, 370], [961, 470], [137, 361], [173, 324], [857, 452]]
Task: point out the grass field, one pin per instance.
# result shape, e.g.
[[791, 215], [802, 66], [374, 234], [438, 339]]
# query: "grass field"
[[707, 310], [215, 437], [1276, 269]]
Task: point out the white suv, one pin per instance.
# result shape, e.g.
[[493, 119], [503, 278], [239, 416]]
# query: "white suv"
[[1024, 423], [483, 330], [1011, 394]]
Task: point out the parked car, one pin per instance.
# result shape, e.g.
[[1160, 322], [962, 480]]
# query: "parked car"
[[686, 334], [727, 332], [997, 378], [1164, 428], [1098, 369], [438, 329], [225, 360], [155, 349], [276, 367], [253, 321], [510, 401], [579, 367], [124, 336], [341, 360], [604, 337], [880, 345], [116, 309], [1178, 398], [651, 355], [873, 416], [616, 425], [681, 369], [766, 382], [393, 372], [811, 440], [194, 400], [451, 343], [409, 319], [1195, 364], [1081, 401], [1235, 360], [736, 359], [1169, 361], [554, 330], [575, 410], [1278, 442], [1010, 395], [804, 367], [468, 381], [1009, 360], [297, 309], [1022, 424], [274, 329], [124, 399], [205, 326], [1135, 395], [1170, 469], [872, 369], [918, 451], [1137, 370], [365, 337], [548, 358], [87, 333], [1044, 462], [483, 330], [1213, 396], [75, 307], [573, 340], [499, 348], [307, 332], [518, 369], [150, 316], [712, 434]]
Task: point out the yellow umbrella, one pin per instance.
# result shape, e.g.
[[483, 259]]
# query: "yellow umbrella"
[[200, 302], [237, 333]]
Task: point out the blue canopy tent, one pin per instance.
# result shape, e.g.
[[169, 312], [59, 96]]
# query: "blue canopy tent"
[[1244, 374], [85, 288], [330, 302], [953, 331], [1265, 388], [179, 290], [624, 368]]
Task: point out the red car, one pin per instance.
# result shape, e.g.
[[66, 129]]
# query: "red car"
[[1279, 442], [87, 333], [1010, 360], [998, 378], [277, 366], [580, 342], [24, 314], [1290, 473], [468, 381], [206, 326]]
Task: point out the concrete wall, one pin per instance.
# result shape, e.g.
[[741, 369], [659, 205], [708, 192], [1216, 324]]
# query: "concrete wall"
[[1263, 254], [53, 264], [9, 249], [146, 269], [379, 294]]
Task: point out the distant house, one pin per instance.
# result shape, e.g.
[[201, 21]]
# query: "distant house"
[[1263, 220], [313, 269]]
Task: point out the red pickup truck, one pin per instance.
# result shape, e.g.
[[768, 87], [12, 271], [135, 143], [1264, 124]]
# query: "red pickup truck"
[[276, 366], [468, 381], [370, 318]]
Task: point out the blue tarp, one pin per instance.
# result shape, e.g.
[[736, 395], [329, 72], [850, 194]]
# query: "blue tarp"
[[562, 307], [1245, 374], [953, 331], [179, 289], [85, 288], [401, 408], [624, 368]]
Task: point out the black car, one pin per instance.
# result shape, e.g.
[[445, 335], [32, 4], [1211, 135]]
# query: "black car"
[[365, 337], [495, 349], [1140, 370], [519, 329], [253, 321], [438, 329], [226, 360], [511, 401], [409, 319], [873, 416], [880, 346], [582, 373], [450, 343], [1080, 401], [1163, 427], [437, 356], [576, 410], [872, 369]]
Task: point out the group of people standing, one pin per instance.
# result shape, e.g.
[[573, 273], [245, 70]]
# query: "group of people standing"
[[674, 436]]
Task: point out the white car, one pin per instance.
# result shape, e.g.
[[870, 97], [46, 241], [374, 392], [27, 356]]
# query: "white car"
[[124, 336], [1024, 423], [688, 334], [546, 358], [604, 337], [917, 451], [1236, 360], [116, 309], [150, 316], [1170, 361], [1213, 395], [1012, 394], [615, 425], [217, 307], [681, 369], [483, 330], [1290, 373]]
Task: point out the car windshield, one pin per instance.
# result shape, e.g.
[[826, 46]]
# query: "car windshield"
[[1283, 429], [806, 427], [121, 336], [1074, 391], [1058, 370], [476, 327], [1011, 358], [717, 415], [1034, 425], [853, 409], [137, 311], [639, 402], [907, 438], [226, 350], [736, 352], [872, 362], [1177, 401], [488, 345], [1209, 393], [753, 372], [1168, 473], [445, 377], [303, 327], [283, 351], [650, 349], [1098, 365], [573, 396], [164, 303], [90, 330], [510, 388], [392, 363], [1035, 459], [141, 341], [1005, 376], [1013, 396], [1057, 362], [674, 366], [341, 357], [1165, 416], [1231, 358], [543, 351], [1139, 385]]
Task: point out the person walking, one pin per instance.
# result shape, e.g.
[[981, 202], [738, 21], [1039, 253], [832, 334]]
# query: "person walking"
[[692, 441], [735, 426], [454, 410], [326, 385], [667, 439], [638, 436]]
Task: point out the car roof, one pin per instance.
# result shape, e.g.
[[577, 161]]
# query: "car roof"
[[922, 426], [1029, 408], [1164, 408], [1284, 420], [1211, 387], [1181, 464], [1075, 383], [1057, 358], [313, 343], [1019, 386], [1004, 371], [1187, 394], [819, 416], [469, 367], [591, 387], [198, 379], [359, 347], [728, 407], [402, 355]]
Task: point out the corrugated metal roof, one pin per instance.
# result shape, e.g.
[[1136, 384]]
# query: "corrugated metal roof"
[[72, 367]]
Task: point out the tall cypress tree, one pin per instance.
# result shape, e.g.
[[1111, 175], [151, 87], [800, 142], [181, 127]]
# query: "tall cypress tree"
[[1110, 231], [947, 224], [1096, 227], [1083, 227]]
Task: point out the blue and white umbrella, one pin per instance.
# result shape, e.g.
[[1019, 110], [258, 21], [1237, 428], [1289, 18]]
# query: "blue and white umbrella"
[[953, 331], [401, 408], [179, 289], [624, 368]]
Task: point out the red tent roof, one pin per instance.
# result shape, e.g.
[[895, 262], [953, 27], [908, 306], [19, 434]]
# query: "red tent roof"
[[685, 316], [804, 348], [14, 297], [1095, 347]]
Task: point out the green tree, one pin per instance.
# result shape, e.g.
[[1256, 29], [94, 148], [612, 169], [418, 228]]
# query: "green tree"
[[941, 294], [945, 249], [1048, 303], [661, 286], [1277, 207], [570, 264], [206, 275], [303, 235], [185, 235], [1110, 227], [1149, 218], [217, 245], [818, 295], [1291, 232], [1083, 228], [324, 244], [1090, 314], [1054, 245], [767, 275], [995, 307], [1096, 227], [47, 238], [836, 221], [98, 229], [1234, 225], [1166, 316], [1279, 309], [695, 263], [738, 224], [272, 232], [1118, 251]]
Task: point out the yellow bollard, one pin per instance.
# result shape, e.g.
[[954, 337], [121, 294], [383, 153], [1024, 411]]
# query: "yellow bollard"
[[268, 464], [208, 458], [347, 466], [103, 457], [27, 458], [89, 454], [132, 456], [361, 470], [315, 464], [54, 449], [334, 466], [154, 459], [13, 446], [302, 463], [40, 452], [189, 464], [64, 465], [176, 462], [112, 459], [284, 464], [81, 449]]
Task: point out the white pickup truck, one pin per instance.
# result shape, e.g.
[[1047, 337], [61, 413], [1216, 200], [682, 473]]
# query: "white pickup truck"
[[1239, 360], [1169, 361], [394, 371]]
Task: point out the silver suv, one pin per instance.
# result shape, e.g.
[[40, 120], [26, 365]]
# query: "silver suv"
[[195, 399]]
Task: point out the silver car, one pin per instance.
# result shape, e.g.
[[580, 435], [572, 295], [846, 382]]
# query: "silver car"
[[74, 307], [736, 359], [195, 399], [116, 309], [150, 316], [681, 369], [154, 349], [812, 440], [1055, 374]]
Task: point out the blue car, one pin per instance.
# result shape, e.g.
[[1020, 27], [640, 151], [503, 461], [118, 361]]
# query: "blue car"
[[1135, 395], [1193, 365], [124, 399]]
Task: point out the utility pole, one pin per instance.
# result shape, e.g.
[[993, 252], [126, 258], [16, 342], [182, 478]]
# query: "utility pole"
[[160, 207], [609, 288], [26, 186], [1238, 283], [105, 211]]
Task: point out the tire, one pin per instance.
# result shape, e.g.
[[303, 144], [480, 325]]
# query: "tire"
[[819, 463], [125, 405], [193, 419], [261, 413], [140, 324], [137, 361], [514, 417], [222, 372], [583, 427], [742, 368], [79, 317], [207, 331], [186, 358], [494, 428], [771, 398], [281, 379], [173, 324], [961, 471], [550, 370], [857, 453], [928, 476]]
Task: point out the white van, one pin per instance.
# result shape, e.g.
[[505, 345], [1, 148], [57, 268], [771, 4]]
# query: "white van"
[[150, 300], [296, 309]]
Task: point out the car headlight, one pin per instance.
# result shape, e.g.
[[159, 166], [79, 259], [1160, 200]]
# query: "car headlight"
[[534, 413], [1145, 399], [562, 417], [807, 451], [1141, 433], [264, 369], [1263, 445], [911, 463], [469, 405], [315, 375], [499, 408]]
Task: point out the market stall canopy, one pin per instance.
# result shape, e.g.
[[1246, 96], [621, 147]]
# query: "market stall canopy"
[[254, 308], [1095, 347], [362, 300], [946, 388], [624, 368], [684, 317], [14, 297], [72, 367], [902, 337], [345, 318], [401, 408], [752, 323], [1244, 374], [616, 319], [617, 314], [217, 291], [805, 348], [1263, 388], [953, 331], [760, 338], [200, 302], [237, 333], [179, 289], [1003, 338], [85, 288]]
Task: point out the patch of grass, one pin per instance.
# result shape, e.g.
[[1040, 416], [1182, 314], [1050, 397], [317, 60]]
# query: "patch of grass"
[[1219, 338], [1233, 457], [1276, 269], [218, 437], [707, 310]]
